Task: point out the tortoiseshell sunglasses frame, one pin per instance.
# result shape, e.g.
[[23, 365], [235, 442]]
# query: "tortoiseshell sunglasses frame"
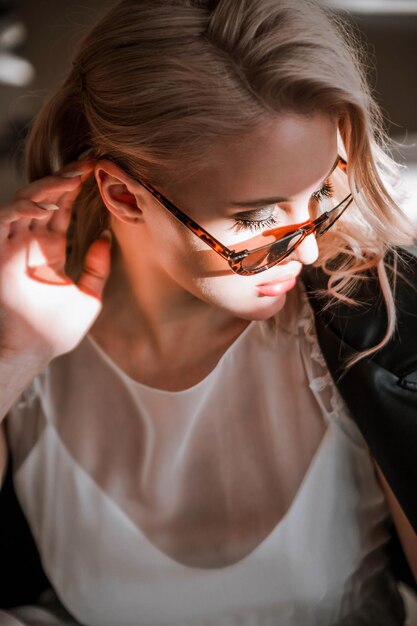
[[233, 258]]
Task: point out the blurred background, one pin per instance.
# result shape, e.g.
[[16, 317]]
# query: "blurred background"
[[37, 40]]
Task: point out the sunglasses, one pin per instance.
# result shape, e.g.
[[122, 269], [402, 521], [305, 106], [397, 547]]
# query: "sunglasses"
[[252, 260]]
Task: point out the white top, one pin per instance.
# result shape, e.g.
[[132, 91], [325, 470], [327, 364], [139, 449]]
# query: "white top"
[[216, 505]]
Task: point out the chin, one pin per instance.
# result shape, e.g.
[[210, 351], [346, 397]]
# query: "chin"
[[265, 307]]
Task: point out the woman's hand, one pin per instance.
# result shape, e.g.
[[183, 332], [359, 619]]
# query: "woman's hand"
[[42, 311]]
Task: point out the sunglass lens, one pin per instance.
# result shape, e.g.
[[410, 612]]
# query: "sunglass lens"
[[268, 255]]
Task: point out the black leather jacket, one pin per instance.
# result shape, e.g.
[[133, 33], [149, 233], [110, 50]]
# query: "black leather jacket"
[[380, 391]]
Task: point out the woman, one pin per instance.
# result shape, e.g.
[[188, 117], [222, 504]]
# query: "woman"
[[166, 397]]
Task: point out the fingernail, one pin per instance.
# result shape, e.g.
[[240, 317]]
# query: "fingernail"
[[85, 153], [48, 207], [71, 174], [106, 234]]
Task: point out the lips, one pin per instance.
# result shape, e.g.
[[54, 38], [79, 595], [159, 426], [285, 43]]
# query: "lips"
[[277, 287]]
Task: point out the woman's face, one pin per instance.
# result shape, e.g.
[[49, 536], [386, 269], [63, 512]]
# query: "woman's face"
[[235, 196]]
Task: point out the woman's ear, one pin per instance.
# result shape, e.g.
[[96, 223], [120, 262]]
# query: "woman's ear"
[[120, 192]]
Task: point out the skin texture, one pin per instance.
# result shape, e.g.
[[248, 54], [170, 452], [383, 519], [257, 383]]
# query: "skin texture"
[[45, 314], [170, 279], [166, 289], [171, 285]]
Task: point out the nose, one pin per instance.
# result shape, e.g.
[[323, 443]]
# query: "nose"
[[307, 252]]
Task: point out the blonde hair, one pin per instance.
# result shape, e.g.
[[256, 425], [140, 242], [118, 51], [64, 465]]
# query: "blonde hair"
[[156, 81]]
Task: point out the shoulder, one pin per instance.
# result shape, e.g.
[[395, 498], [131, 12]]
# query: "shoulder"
[[355, 329], [380, 390]]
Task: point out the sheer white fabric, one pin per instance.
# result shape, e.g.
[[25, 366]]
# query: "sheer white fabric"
[[248, 499]]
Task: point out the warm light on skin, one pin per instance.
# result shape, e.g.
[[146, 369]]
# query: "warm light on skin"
[[281, 231], [170, 270]]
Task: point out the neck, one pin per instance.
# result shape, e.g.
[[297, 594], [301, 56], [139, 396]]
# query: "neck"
[[155, 330], [142, 304]]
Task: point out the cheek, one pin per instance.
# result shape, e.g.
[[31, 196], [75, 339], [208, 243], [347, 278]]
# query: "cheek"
[[182, 249], [191, 256], [172, 246], [196, 268], [204, 274], [238, 295]]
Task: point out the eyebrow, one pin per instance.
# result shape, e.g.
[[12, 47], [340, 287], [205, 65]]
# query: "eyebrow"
[[267, 201]]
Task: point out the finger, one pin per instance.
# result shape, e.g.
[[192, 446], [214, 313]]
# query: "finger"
[[41, 225], [19, 226], [85, 165], [96, 267], [17, 211], [24, 208], [48, 189], [60, 221], [24, 224]]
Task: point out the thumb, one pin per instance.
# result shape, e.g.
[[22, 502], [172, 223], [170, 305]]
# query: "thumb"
[[97, 264]]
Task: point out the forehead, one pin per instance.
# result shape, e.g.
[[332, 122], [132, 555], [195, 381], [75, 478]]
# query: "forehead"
[[283, 157]]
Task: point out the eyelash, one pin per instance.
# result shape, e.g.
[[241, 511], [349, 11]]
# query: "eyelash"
[[326, 191]]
